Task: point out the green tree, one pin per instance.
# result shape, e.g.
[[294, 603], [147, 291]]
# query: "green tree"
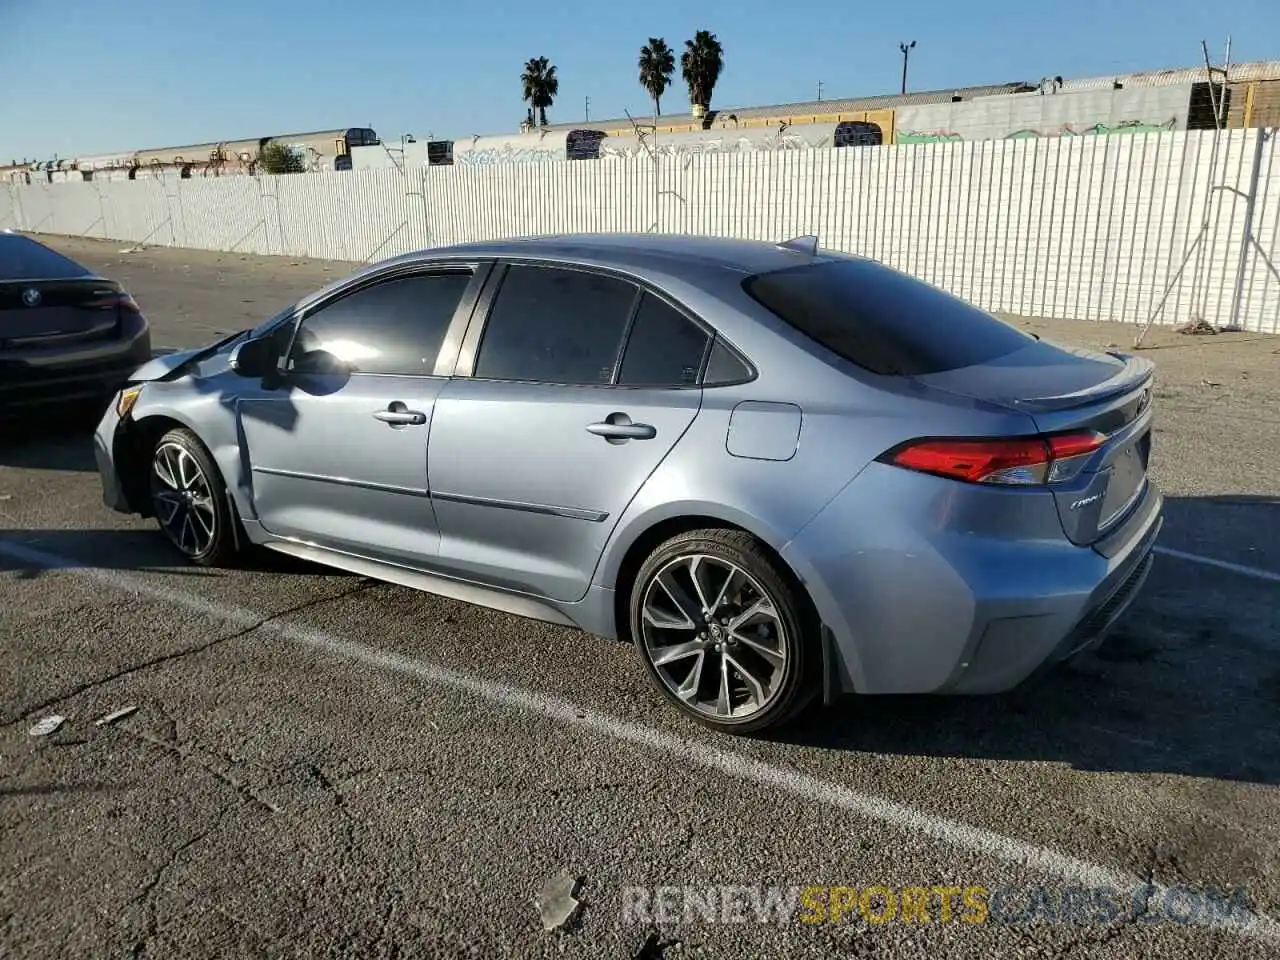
[[700, 64], [276, 157], [540, 86], [657, 64]]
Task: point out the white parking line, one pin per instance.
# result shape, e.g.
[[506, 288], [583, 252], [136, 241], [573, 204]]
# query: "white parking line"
[[897, 815], [1256, 572]]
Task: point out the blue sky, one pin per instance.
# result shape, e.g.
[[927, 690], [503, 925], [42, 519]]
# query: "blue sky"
[[93, 76]]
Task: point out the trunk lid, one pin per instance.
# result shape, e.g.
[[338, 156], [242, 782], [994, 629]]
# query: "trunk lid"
[[48, 314], [1066, 389]]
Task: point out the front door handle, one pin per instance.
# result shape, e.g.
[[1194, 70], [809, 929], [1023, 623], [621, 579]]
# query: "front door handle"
[[618, 428], [399, 415]]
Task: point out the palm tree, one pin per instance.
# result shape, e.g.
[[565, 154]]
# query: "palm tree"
[[701, 63], [657, 64], [540, 86]]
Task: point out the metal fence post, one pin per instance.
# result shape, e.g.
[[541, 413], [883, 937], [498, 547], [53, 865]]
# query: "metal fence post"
[[1246, 238]]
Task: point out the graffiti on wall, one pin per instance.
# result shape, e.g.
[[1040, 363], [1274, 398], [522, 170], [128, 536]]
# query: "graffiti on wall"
[[629, 147], [506, 154], [1098, 130], [799, 137], [1029, 133], [927, 136]]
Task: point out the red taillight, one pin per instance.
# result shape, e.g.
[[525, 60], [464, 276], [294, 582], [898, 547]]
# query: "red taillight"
[[1064, 445], [1012, 460], [115, 301]]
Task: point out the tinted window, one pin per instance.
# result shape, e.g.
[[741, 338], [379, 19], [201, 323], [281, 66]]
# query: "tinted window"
[[664, 348], [557, 326], [394, 327], [725, 367], [24, 259], [883, 320]]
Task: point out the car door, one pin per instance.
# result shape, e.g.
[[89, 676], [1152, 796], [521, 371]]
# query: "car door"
[[551, 427], [337, 445]]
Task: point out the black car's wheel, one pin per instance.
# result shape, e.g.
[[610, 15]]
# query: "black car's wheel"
[[189, 500], [723, 631]]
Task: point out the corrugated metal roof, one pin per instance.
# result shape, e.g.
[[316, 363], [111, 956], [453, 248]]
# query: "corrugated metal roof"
[[852, 105], [1239, 73]]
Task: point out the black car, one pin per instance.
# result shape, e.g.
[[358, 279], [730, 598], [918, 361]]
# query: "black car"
[[66, 334]]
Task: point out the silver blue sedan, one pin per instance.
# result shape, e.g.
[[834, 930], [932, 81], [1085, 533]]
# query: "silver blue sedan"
[[783, 473]]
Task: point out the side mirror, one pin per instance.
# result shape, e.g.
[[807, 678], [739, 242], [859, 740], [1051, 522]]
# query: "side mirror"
[[255, 358]]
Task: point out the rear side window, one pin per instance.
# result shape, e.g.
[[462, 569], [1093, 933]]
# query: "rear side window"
[[882, 320], [724, 367], [22, 258], [665, 348], [555, 326]]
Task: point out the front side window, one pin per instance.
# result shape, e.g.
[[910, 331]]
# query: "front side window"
[[394, 327], [555, 326]]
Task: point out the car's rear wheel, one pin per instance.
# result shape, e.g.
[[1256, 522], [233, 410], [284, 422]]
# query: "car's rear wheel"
[[724, 631], [189, 500]]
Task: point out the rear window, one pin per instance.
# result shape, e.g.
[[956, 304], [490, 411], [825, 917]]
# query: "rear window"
[[24, 259], [882, 320]]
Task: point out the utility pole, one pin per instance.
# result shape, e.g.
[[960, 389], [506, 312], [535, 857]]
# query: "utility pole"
[[819, 91], [587, 109], [906, 52]]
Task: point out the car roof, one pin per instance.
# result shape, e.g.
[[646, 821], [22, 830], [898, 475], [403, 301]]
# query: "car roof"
[[674, 254]]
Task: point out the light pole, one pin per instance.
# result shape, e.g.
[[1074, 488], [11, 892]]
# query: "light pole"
[[906, 52]]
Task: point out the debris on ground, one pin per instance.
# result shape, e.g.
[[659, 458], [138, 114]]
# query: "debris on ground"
[[46, 726], [558, 902], [1206, 382], [115, 715], [6, 496], [1196, 328]]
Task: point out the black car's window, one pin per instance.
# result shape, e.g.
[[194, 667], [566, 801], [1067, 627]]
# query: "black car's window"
[[883, 320], [22, 258], [664, 349], [556, 326], [723, 366], [392, 327]]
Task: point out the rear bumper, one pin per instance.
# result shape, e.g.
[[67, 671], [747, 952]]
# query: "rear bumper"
[[76, 375], [1011, 651], [924, 590]]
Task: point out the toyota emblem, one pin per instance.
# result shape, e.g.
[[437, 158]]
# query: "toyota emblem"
[[31, 297]]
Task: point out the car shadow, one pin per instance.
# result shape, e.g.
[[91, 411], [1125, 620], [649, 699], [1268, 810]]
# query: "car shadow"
[[34, 553], [59, 438], [1187, 683]]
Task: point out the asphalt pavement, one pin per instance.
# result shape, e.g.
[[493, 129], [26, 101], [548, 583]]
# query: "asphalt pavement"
[[322, 765]]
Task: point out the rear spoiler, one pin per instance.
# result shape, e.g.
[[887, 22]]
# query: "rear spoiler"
[[1136, 372]]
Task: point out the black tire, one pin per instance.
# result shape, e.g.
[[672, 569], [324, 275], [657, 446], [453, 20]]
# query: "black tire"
[[798, 678], [221, 548]]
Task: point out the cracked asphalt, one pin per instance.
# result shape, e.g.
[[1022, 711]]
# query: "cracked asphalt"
[[323, 765]]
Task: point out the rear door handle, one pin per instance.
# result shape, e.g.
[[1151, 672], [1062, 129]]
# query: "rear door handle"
[[618, 427], [399, 415]]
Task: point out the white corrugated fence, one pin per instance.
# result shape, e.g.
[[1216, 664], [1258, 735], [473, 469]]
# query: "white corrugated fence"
[[1179, 225]]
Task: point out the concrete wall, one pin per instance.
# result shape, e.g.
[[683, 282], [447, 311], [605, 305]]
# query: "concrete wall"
[[1091, 227], [1136, 110]]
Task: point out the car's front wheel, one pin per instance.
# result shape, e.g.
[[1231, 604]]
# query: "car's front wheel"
[[189, 500], [724, 632]]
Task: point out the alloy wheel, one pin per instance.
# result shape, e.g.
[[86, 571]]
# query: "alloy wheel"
[[714, 636], [183, 499]]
